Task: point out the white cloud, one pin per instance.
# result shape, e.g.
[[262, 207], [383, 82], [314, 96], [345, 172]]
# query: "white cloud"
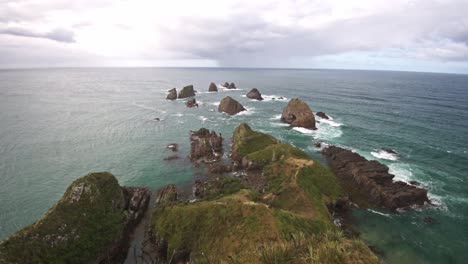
[[263, 33]]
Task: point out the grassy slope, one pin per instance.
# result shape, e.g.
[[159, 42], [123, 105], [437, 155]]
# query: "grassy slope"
[[287, 224], [72, 232]]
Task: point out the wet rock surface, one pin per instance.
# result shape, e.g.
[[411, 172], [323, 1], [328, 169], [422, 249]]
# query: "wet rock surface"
[[230, 106], [298, 114], [373, 180]]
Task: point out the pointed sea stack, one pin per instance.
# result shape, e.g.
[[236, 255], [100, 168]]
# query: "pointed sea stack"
[[172, 94], [230, 106], [255, 94], [187, 91], [298, 114], [213, 87]]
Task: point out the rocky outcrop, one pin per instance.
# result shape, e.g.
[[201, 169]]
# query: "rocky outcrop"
[[191, 103], [213, 87], [298, 114], [172, 94], [230, 106], [91, 223], [206, 146], [255, 94], [231, 86], [322, 115], [373, 179], [187, 91]]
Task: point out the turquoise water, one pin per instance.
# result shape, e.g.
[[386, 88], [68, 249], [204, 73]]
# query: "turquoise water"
[[59, 124]]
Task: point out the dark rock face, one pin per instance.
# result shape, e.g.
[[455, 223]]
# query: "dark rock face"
[[373, 179], [226, 84], [213, 87], [231, 86], [230, 106], [187, 91], [191, 103], [322, 115], [172, 94], [206, 146], [255, 94], [298, 114]]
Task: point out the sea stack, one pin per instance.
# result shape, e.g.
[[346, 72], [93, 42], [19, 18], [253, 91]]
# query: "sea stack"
[[172, 94], [230, 106], [213, 87], [255, 94], [298, 114], [187, 91]]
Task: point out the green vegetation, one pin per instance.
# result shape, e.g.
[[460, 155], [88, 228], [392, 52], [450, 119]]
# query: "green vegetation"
[[288, 223], [78, 229]]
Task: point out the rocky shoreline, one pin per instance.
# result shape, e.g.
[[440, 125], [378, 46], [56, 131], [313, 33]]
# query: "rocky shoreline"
[[268, 201]]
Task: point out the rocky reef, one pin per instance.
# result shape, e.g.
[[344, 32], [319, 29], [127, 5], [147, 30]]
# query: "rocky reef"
[[212, 87], [91, 223], [287, 221], [187, 91], [372, 180], [298, 114], [230, 106], [172, 94], [255, 94]]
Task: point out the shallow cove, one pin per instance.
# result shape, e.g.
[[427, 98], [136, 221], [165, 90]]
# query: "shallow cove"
[[58, 124]]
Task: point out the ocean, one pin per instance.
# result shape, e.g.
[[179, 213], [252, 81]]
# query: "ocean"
[[59, 124]]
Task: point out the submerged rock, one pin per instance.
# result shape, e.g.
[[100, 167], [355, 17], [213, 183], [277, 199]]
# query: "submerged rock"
[[172, 94], [322, 115], [191, 103], [230, 106], [255, 94], [298, 114], [206, 146], [187, 91], [91, 223], [213, 87], [373, 179]]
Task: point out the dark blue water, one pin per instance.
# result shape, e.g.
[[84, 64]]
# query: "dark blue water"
[[59, 124]]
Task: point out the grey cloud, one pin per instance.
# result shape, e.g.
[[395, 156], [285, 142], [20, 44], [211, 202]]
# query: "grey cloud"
[[59, 34]]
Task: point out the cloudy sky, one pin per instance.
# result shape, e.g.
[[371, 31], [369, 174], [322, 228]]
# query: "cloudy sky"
[[415, 35]]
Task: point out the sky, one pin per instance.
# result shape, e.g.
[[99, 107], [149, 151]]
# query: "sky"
[[415, 35]]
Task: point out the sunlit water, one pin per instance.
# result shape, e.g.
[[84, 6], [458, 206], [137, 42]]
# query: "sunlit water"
[[59, 124]]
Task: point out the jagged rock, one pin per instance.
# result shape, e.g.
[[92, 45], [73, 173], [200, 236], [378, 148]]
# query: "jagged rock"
[[322, 115], [172, 94], [231, 86], [373, 179], [255, 94], [91, 223], [191, 103], [168, 194], [187, 91], [226, 84], [230, 106], [173, 146], [298, 114], [205, 146], [213, 87]]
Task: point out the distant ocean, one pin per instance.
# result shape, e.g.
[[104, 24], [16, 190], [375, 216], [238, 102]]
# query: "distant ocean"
[[59, 124]]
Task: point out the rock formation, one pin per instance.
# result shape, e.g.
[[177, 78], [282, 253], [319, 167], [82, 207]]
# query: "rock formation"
[[187, 91], [255, 94], [298, 114], [230, 106], [191, 103], [172, 94], [213, 87], [231, 86], [205, 146], [373, 179], [322, 115], [91, 223]]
